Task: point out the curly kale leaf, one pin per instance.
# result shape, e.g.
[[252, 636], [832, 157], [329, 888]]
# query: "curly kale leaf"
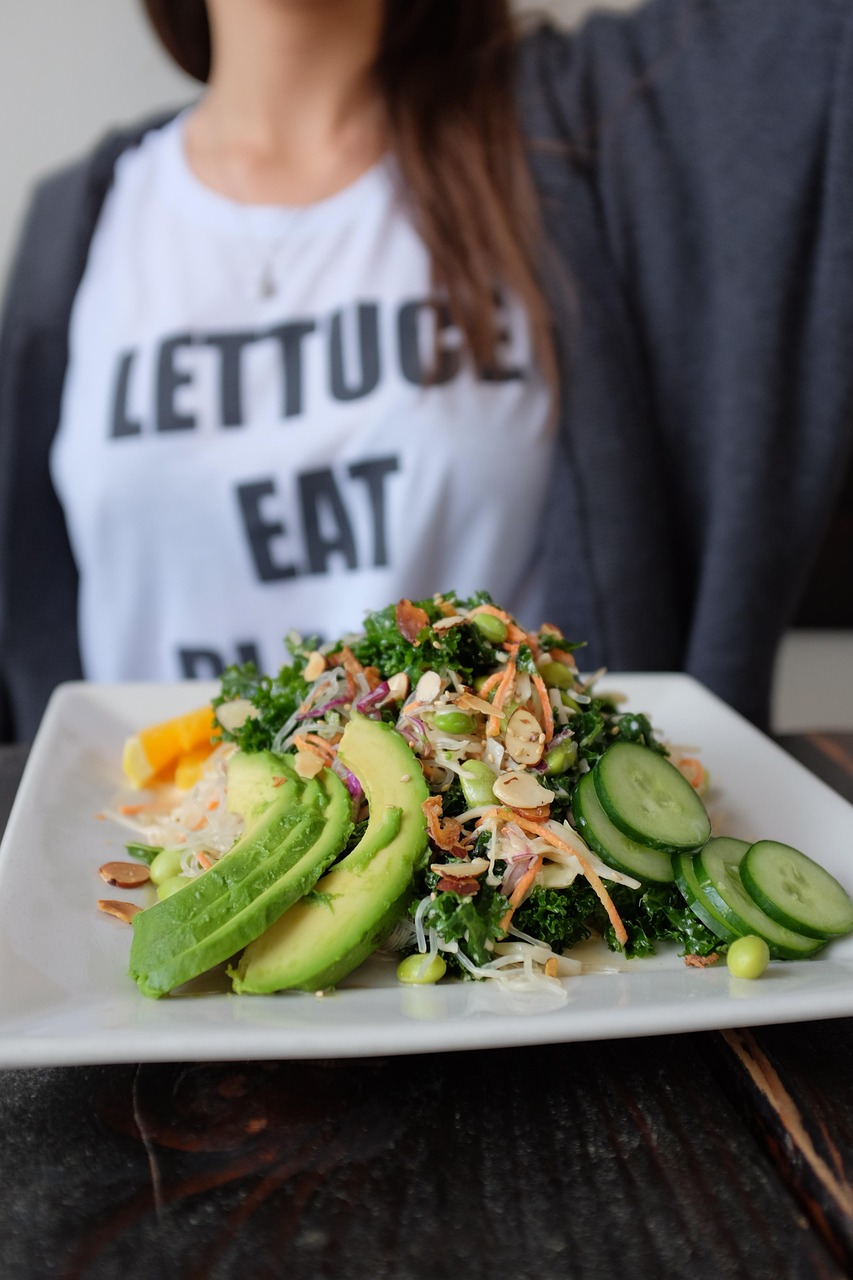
[[636, 727], [558, 916], [463, 649], [470, 921], [656, 914], [275, 698]]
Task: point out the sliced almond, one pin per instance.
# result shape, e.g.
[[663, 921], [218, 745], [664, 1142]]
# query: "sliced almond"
[[462, 870], [314, 667], [124, 875], [428, 687], [470, 702], [520, 790], [233, 715], [524, 737], [308, 764], [121, 910], [398, 687], [444, 624]]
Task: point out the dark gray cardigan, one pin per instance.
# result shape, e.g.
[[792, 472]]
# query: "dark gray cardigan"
[[694, 162]]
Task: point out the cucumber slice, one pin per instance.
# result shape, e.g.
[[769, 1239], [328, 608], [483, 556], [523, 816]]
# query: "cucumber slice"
[[693, 894], [618, 850], [647, 798], [796, 891], [717, 869]]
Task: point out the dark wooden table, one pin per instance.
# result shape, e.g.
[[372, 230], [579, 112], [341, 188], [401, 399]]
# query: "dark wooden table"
[[711, 1155]]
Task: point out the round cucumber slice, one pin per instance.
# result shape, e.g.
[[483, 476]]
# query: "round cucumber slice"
[[618, 850], [796, 891], [693, 895], [648, 799], [718, 873]]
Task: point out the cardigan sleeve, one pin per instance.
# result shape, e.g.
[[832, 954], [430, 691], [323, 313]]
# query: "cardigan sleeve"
[[715, 139], [38, 578]]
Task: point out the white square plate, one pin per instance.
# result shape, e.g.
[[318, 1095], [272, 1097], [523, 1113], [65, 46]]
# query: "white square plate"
[[65, 997]]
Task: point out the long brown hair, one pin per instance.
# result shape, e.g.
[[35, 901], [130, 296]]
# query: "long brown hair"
[[446, 72]]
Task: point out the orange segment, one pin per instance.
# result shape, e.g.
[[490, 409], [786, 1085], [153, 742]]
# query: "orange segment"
[[158, 747], [190, 765]]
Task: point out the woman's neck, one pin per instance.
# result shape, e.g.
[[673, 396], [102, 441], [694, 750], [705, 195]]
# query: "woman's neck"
[[291, 113]]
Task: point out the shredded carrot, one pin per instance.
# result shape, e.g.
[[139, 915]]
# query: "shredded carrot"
[[520, 890], [213, 803], [547, 713], [691, 769], [489, 683], [199, 824], [502, 693], [546, 834], [411, 706], [206, 862], [131, 809]]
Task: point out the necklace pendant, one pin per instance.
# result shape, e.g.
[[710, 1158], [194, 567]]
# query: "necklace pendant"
[[268, 286]]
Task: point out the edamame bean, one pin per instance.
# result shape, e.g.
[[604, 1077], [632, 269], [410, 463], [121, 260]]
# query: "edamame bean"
[[556, 675], [476, 780], [561, 758], [165, 865], [454, 721], [167, 887], [419, 970], [492, 628], [748, 957]]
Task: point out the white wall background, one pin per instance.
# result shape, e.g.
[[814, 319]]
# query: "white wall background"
[[71, 68]]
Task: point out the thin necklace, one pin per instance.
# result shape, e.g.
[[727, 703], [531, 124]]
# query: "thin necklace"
[[265, 272]]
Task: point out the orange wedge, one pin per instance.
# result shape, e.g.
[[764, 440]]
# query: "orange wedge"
[[190, 766], [158, 748]]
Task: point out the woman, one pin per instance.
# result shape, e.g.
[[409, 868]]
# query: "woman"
[[405, 302]]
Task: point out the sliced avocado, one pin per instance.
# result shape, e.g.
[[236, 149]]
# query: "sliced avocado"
[[294, 830], [352, 909]]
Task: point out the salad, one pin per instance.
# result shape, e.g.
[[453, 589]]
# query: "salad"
[[448, 787]]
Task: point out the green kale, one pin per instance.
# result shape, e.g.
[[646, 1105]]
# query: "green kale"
[[636, 727], [549, 640], [558, 916], [453, 799], [470, 921], [655, 914], [462, 649], [275, 698]]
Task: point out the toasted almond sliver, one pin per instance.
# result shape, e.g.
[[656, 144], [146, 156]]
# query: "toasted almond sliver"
[[461, 870], [234, 714], [308, 764], [398, 687], [121, 910], [470, 702], [124, 875], [525, 739], [428, 687], [314, 667], [521, 790], [444, 624]]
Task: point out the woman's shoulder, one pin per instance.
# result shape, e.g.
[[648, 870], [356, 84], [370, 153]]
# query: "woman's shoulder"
[[60, 221], [569, 77]]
